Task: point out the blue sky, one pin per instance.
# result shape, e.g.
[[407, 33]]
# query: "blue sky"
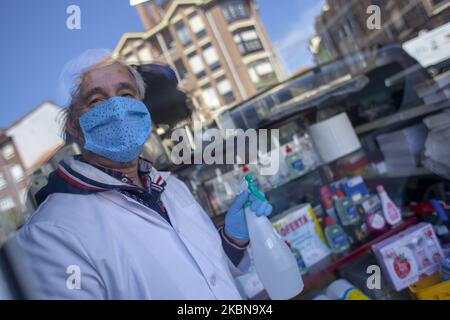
[[36, 43]]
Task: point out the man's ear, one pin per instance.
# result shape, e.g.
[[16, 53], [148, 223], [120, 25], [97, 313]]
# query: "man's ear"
[[74, 130]]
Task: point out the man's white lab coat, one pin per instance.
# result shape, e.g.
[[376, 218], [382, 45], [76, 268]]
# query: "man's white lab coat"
[[112, 247]]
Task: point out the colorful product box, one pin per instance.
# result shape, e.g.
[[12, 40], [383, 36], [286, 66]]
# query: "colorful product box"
[[299, 227], [408, 255]]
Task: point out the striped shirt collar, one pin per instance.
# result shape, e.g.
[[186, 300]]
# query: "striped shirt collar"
[[96, 179]]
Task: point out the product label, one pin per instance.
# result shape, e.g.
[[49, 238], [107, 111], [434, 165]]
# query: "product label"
[[352, 213], [301, 230], [301, 264], [376, 221], [298, 165], [392, 212], [340, 240]]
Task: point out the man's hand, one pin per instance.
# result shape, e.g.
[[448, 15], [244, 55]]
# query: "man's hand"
[[235, 222]]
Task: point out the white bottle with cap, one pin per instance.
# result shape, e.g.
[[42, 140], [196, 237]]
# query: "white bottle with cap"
[[274, 262]]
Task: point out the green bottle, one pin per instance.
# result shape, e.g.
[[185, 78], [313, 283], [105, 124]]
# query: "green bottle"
[[336, 237], [346, 211]]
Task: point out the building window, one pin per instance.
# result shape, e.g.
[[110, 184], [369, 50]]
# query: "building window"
[[8, 152], [155, 47], [197, 26], [211, 57], [210, 97], [197, 66], [234, 10], [181, 69], [225, 90], [6, 204], [3, 182], [262, 73], [183, 34], [17, 173], [247, 41], [168, 40]]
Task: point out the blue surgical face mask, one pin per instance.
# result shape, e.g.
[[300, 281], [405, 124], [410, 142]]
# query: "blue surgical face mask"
[[116, 129]]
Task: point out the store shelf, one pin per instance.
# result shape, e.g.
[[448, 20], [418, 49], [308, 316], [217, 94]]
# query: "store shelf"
[[415, 172], [311, 279], [402, 116]]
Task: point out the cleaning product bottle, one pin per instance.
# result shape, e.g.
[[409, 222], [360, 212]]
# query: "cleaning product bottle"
[[295, 163], [336, 237], [275, 265], [391, 212], [345, 209], [246, 170]]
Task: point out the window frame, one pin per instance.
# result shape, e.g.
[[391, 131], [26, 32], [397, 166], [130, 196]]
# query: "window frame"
[[217, 97], [9, 200], [227, 96], [214, 65], [199, 34], [201, 73], [3, 182], [247, 47], [181, 31], [8, 146], [232, 10], [17, 179]]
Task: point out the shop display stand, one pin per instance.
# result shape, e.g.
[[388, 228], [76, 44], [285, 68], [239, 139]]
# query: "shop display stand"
[[325, 275]]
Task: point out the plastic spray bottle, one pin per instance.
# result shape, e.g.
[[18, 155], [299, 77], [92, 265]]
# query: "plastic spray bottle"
[[274, 262]]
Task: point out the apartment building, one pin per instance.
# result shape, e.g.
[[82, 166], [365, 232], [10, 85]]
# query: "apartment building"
[[13, 179], [218, 48], [37, 135]]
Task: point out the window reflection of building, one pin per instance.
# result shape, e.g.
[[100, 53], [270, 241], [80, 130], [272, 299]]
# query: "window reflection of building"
[[342, 25]]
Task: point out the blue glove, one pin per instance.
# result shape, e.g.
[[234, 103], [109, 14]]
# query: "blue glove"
[[235, 222]]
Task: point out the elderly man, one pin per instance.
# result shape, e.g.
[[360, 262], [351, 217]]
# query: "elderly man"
[[110, 226]]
